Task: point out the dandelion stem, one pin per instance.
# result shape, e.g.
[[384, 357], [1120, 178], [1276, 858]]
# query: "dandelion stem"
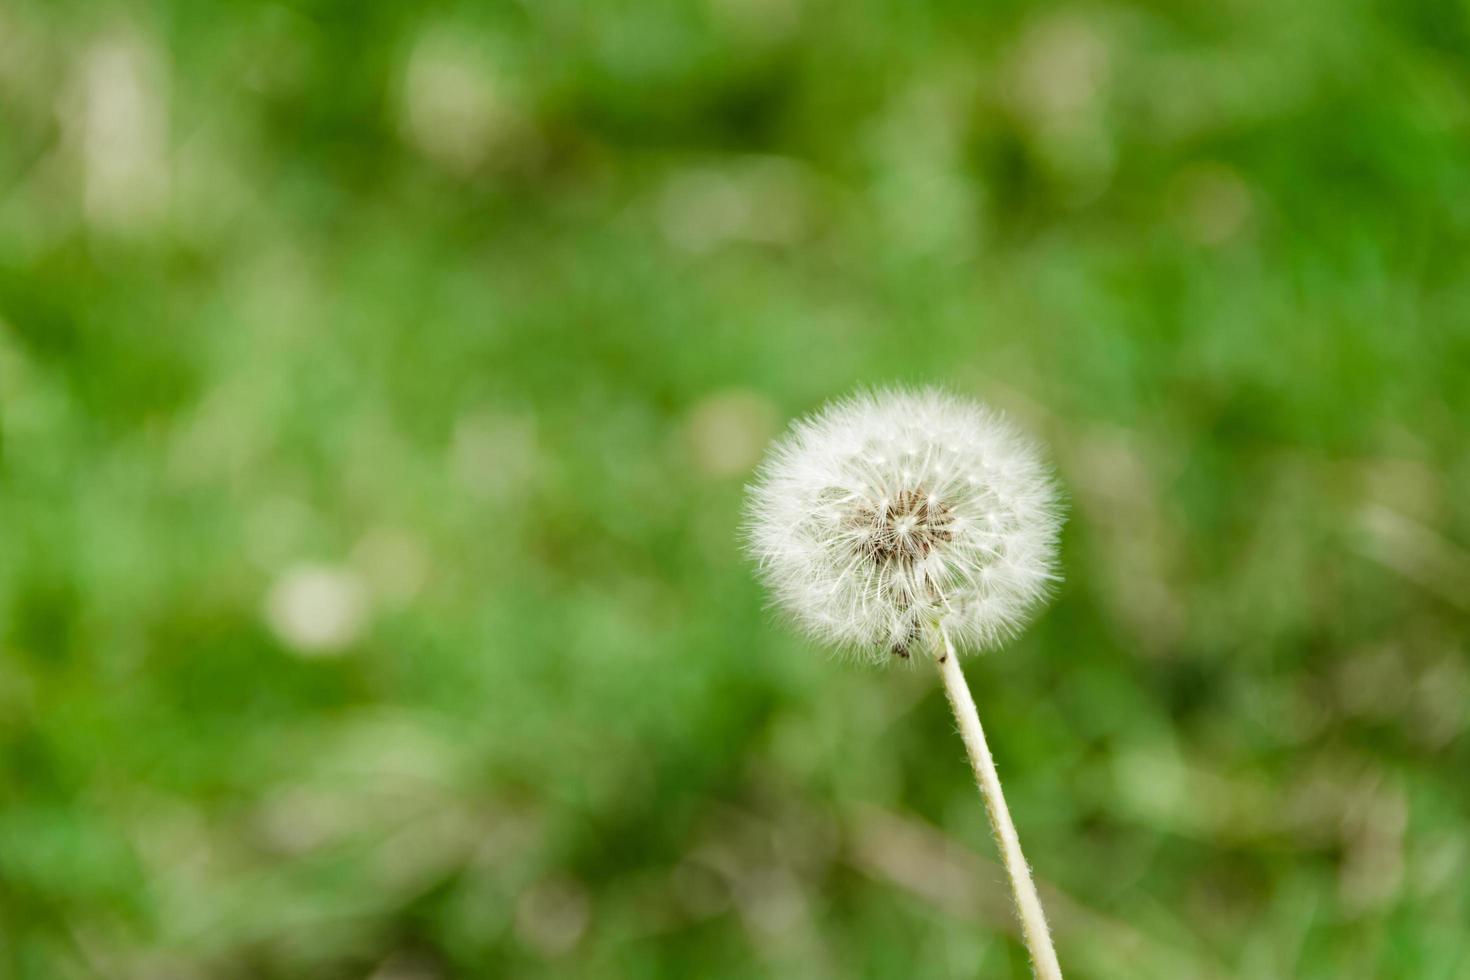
[[1028, 905]]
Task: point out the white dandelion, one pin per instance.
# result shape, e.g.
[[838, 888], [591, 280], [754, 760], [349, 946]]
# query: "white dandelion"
[[904, 522], [886, 516]]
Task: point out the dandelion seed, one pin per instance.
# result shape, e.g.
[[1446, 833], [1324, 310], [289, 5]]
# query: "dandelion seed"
[[902, 558], [907, 562]]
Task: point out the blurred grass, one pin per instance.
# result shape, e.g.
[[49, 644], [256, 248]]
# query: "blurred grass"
[[377, 382]]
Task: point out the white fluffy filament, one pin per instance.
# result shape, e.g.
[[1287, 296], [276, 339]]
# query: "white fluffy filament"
[[886, 514]]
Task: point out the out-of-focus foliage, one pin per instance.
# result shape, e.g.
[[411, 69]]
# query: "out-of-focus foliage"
[[377, 383]]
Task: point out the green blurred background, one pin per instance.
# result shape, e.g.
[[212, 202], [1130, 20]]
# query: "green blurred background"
[[377, 385]]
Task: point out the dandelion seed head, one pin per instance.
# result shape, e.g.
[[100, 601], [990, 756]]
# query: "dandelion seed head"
[[885, 516]]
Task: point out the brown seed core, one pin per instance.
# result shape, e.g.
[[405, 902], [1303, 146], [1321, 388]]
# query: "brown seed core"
[[902, 531], [905, 529]]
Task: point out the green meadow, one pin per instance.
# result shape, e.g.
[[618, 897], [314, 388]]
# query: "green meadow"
[[379, 382]]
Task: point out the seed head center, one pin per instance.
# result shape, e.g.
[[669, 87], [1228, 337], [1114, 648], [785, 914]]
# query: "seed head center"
[[903, 529]]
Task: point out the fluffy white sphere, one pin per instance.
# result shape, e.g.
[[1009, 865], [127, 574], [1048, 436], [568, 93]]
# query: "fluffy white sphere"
[[886, 515]]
